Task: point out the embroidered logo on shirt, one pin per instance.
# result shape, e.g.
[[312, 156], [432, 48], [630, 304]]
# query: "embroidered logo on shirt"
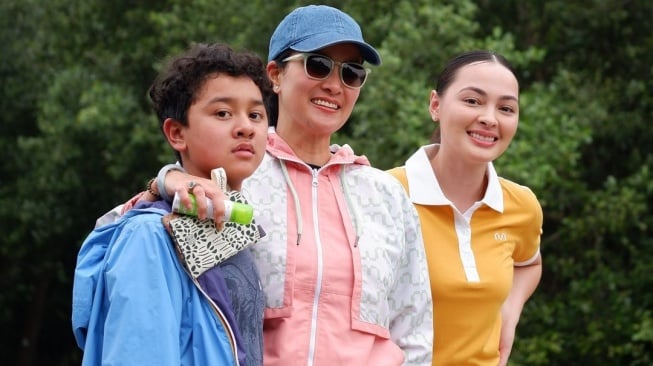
[[500, 236]]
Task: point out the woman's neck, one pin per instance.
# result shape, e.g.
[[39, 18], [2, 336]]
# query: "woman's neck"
[[310, 148], [462, 183]]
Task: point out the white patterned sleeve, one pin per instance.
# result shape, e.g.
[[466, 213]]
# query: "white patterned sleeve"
[[411, 321]]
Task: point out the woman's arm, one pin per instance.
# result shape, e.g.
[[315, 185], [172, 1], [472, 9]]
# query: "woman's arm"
[[411, 326], [175, 180], [525, 281]]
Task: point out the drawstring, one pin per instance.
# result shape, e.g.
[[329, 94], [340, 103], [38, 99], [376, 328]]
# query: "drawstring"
[[354, 213], [352, 207], [295, 199]]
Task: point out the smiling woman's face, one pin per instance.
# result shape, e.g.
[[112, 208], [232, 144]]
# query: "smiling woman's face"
[[479, 111], [315, 107]]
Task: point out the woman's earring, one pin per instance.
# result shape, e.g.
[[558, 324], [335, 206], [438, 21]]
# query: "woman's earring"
[[276, 88]]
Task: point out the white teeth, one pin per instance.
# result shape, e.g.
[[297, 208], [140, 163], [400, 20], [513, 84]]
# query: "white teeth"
[[325, 103], [481, 137]]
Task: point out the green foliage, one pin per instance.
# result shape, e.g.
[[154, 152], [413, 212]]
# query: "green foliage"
[[584, 134], [391, 119], [79, 138]]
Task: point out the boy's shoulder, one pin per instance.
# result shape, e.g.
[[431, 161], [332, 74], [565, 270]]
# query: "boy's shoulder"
[[100, 240]]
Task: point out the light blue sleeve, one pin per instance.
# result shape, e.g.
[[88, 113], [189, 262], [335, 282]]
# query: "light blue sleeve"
[[87, 284], [145, 293]]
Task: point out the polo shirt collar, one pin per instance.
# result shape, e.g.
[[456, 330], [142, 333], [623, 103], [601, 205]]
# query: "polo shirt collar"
[[424, 189]]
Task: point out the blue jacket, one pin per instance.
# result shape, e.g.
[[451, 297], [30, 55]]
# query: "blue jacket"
[[133, 304]]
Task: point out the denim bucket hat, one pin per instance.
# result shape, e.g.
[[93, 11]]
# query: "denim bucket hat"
[[310, 28]]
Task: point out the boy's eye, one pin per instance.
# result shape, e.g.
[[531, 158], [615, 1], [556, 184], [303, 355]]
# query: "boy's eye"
[[222, 114], [257, 116]]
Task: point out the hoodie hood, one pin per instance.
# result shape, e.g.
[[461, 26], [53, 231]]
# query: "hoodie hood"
[[280, 149]]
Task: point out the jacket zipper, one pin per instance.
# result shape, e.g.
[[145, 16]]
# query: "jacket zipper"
[[318, 280], [222, 319]]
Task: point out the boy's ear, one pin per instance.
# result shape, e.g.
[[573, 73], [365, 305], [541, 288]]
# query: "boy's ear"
[[175, 133]]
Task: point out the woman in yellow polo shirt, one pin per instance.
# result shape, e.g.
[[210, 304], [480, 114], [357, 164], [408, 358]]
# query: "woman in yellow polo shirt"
[[481, 232]]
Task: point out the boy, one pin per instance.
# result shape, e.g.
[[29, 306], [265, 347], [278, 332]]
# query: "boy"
[[134, 300]]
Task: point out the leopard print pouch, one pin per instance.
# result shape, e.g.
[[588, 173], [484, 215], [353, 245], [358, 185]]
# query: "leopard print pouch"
[[201, 245]]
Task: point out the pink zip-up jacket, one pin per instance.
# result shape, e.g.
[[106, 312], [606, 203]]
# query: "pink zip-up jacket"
[[342, 263]]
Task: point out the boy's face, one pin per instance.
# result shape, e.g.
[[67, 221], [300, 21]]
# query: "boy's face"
[[227, 127]]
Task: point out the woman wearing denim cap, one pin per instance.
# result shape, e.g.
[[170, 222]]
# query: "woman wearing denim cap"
[[343, 264]]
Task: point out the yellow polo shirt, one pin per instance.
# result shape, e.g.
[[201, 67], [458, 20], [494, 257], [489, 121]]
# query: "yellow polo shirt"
[[470, 258]]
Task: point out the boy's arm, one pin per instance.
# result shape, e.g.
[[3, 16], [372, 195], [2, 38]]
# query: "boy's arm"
[[143, 292]]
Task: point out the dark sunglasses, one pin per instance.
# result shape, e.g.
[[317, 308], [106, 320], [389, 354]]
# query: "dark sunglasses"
[[319, 67]]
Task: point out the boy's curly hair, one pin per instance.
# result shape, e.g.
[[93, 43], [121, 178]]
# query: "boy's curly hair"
[[177, 85]]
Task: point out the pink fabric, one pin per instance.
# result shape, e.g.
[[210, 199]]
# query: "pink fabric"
[[342, 338]]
